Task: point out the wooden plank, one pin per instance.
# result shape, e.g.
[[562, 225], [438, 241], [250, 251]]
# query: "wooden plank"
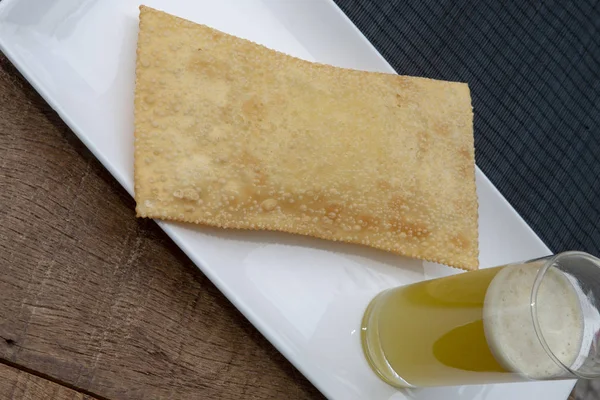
[[100, 300], [16, 384]]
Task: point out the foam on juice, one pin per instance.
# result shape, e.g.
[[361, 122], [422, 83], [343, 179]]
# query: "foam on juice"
[[508, 322]]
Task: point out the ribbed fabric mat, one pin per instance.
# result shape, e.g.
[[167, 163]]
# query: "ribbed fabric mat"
[[534, 72]]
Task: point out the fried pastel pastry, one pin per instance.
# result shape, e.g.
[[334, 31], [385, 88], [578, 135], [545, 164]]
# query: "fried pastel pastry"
[[231, 134]]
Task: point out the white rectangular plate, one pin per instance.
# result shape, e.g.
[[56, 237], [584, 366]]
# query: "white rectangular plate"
[[305, 295]]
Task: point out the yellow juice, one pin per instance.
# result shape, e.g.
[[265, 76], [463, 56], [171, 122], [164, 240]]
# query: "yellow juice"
[[473, 328], [432, 332]]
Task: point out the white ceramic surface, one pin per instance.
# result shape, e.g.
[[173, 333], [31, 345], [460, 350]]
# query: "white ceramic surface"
[[305, 295]]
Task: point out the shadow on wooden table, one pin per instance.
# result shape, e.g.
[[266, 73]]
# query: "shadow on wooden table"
[[586, 390]]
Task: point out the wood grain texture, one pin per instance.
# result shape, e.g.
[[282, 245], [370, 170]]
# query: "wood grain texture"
[[94, 297], [16, 384]]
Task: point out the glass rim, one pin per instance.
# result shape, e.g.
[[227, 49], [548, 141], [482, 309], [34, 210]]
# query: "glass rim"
[[551, 261]]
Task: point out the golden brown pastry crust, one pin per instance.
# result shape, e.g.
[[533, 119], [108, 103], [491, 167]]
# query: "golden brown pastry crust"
[[231, 134]]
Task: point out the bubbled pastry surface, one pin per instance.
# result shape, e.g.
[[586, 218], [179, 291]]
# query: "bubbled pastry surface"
[[231, 134]]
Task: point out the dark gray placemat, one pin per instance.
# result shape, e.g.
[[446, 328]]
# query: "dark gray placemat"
[[534, 72]]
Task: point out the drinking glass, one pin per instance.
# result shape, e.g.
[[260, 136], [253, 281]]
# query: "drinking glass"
[[532, 320]]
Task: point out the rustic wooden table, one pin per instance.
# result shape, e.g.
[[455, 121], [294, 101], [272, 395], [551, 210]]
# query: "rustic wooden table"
[[95, 303]]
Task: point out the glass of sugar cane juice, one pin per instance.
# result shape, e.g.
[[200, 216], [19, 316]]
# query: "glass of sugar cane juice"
[[534, 320]]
